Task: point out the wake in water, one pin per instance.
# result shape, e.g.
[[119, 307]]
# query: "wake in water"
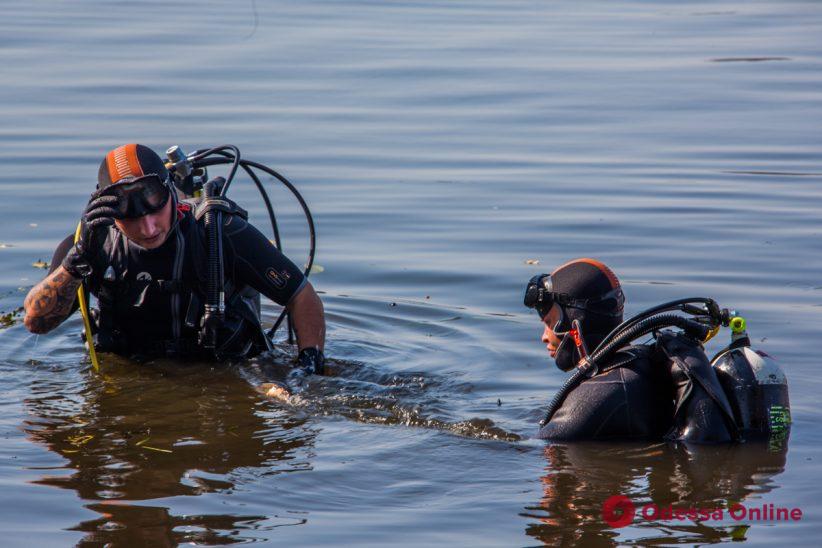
[[367, 394]]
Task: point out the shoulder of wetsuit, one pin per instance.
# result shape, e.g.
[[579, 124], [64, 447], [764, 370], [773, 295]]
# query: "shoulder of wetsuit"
[[618, 403], [634, 356], [633, 352]]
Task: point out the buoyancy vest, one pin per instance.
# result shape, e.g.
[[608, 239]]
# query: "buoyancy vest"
[[126, 298], [665, 390], [702, 413]]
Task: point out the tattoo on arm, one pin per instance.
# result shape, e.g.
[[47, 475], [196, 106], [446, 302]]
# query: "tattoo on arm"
[[51, 301]]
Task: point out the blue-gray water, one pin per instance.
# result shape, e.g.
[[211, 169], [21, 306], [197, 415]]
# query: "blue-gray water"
[[440, 145]]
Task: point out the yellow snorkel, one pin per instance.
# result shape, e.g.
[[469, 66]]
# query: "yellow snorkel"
[[81, 298]]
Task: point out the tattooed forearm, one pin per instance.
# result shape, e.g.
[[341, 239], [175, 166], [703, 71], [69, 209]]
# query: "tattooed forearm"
[[51, 301]]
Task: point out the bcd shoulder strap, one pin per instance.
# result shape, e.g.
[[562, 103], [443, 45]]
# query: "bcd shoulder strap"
[[218, 204], [702, 412]]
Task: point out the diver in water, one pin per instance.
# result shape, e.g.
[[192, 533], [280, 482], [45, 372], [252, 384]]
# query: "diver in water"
[[666, 388], [628, 398], [143, 253]]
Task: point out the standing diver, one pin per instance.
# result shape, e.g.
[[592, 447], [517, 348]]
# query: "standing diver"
[[667, 389], [145, 255]]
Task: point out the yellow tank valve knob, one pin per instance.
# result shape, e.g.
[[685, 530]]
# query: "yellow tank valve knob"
[[737, 324]]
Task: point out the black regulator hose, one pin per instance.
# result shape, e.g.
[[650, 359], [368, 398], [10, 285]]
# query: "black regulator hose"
[[247, 164], [215, 288], [272, 217], [261, 189], [612, 343], [230, 154], [711, 309], [235, 162]]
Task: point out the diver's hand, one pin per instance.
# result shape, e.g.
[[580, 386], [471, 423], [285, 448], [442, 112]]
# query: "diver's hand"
[[275, 390], [96, 219], [311, 361]]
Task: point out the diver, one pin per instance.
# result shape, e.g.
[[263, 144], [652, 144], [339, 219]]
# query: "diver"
[[623, 401], [664, 389], [142, 252]]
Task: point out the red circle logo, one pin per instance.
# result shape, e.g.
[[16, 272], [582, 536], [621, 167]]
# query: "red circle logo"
[[618, 511]]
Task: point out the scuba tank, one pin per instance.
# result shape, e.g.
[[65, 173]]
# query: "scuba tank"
[[755, 385]]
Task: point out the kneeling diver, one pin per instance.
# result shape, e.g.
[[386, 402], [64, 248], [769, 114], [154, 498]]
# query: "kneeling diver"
[[667, 389], [145, 255]]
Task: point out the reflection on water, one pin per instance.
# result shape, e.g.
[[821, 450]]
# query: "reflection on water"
[[141, 433], [579, 478], [129, 525], [145, 433]]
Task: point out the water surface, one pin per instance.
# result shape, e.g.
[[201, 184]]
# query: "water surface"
[[441, 145]]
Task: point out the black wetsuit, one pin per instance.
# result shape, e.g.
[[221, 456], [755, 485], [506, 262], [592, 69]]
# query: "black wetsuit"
[[155, 290], [629, 399]]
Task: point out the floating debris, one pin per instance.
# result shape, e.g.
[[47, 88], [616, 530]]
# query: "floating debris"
[[142, 445], [80, 440], [8, 319], [316, 269], [4, 246], [40, 264], [33, 225], [156, 449], [531, 261]]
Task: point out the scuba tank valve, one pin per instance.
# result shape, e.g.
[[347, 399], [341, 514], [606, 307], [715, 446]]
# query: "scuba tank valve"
[[188, 178]]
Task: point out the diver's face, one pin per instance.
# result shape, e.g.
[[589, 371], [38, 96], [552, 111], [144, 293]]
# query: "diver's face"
[[149, 231], [550, 338]]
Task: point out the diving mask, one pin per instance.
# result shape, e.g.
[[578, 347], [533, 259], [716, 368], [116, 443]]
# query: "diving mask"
[[138, 196]]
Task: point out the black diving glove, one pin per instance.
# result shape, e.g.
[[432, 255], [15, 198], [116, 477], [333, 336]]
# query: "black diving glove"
[[94, 223], [311, 361]]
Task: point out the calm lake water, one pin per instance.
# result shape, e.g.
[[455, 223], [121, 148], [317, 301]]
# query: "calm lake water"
[[440, 145]]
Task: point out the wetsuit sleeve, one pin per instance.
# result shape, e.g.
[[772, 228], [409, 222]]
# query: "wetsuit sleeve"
[[253, 260], [61, 252]]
